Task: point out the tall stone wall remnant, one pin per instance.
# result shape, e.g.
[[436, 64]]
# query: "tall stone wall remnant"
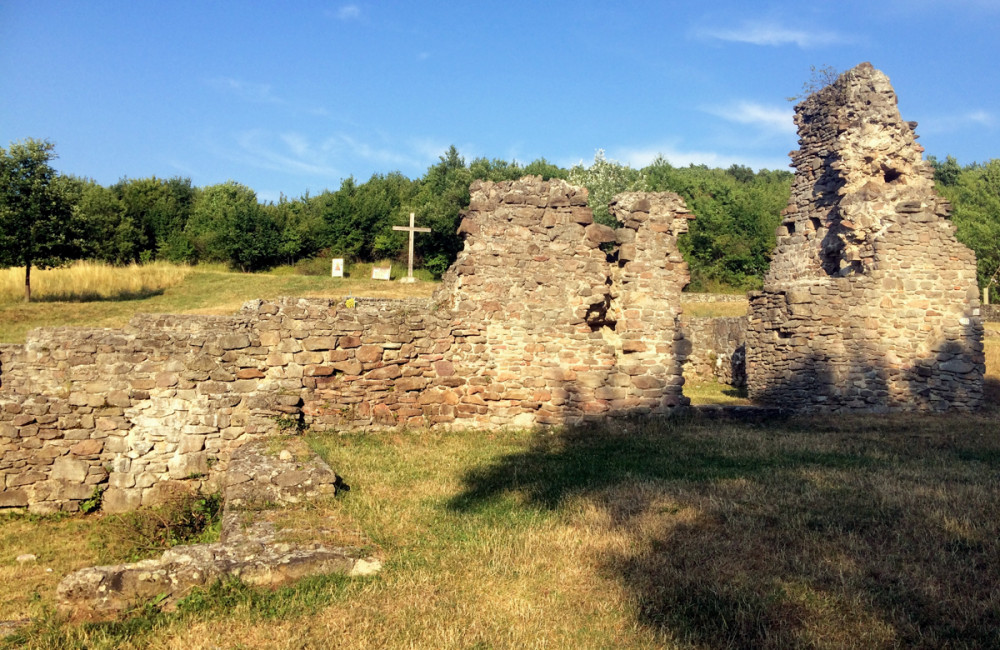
[[545, 318], [870, 302], [581, 318]]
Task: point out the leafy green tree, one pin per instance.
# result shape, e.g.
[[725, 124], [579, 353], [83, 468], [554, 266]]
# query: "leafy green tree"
[[252, 239], [152, 210], [945, 173], [737, 211], [603, 180], [444, 193], [359, 218], [36, 220], [545, 169], [495, 170], [227, 224], [302, 228]]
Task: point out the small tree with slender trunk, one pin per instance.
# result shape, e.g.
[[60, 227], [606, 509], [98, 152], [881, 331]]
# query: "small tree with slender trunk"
[[35, 218]]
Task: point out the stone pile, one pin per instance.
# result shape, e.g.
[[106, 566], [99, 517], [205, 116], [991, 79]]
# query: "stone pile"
[[251, 547], [870, 303]]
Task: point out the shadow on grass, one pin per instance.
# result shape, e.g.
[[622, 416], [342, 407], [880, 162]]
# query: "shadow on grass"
[[123, 296], [738, 392], [750, 537]]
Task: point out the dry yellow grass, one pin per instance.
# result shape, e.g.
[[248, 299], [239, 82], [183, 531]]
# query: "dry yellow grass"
[[203, 289], [87, 281], [60, 545], [714, 309], [858, 532]]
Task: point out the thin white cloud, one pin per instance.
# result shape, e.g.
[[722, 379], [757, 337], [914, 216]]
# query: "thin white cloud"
[[771, 119], [287, 154], [384, 156], [429, 149], [330, 158], [773, 34], [262, 93], [349, 12], [249, 91], [975, 119]]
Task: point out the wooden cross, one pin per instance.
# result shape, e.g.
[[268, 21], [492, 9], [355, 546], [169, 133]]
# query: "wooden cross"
[[411, 229]]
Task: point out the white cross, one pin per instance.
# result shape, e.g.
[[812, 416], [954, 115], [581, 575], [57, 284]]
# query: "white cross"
[[411, 229]]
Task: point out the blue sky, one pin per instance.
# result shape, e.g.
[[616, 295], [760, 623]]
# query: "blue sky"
[[289, 97]]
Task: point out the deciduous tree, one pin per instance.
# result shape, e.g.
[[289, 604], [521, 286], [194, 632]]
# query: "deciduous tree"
[[36, 228]]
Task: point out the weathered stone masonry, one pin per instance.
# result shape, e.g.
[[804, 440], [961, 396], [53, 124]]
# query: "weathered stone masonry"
[[545, 318], [870, 303]]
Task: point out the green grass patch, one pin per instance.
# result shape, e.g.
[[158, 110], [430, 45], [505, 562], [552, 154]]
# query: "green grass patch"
[[186, 518], [712, 392]]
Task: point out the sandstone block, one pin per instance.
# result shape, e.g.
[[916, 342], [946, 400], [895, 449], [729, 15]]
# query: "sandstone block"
[[13, 498], [234, 341], [317, 371], [444, 368], [350, 367], [67, 468], [348, 342], [385, 372], [318, 343], [91, 447], [369, 354]]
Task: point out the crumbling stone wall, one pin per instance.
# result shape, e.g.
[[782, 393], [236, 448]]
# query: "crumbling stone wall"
[[718, 349], [587, 324], [545, 318], [870, 303]]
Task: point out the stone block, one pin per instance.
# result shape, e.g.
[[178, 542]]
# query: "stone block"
[[91, 447], [369, 354], [117, 500], [385, 372], [67, 468], [185, 465], [348, 342], [318, 343], [13, 498], [318, 371], [234, 341]]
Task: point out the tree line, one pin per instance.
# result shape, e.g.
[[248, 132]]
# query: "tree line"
[[47, 218]]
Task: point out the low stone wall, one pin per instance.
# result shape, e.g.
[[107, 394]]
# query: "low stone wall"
[[546, 318], [718, 350]]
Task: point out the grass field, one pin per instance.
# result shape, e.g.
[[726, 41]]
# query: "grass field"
[[867, 532], [855, 532], [99, 296]]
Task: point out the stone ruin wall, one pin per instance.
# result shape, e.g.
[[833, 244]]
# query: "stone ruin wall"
[[718, 349], [870, 302], [545, 318], [588, 324]]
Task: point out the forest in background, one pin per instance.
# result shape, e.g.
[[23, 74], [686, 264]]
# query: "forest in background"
[[728, 246]]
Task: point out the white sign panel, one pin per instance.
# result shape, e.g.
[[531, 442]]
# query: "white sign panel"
[[337, 270], [381, 273]]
